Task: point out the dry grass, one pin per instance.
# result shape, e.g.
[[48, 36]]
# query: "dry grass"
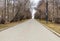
[[53, 26], [5, 26]]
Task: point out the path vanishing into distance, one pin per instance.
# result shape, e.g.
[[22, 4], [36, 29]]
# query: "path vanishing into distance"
[[30, 30]]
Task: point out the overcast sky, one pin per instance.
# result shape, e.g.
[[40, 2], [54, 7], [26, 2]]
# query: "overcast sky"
[[34, 4]]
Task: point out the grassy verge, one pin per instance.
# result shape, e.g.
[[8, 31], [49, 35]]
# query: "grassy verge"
[[5, 26], [53, 26]]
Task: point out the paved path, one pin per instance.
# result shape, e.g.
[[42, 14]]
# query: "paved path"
[[28, 31]]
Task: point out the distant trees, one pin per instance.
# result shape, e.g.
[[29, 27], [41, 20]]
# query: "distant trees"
[[15, 10], [23, 10], [41, 10], [53, 10]]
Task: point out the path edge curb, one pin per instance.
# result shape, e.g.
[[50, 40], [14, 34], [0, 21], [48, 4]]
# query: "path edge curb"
[[51, 30]]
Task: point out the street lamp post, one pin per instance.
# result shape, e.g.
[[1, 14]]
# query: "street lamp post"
[[57, 8], [46, 11], [6, 10], [53, 12]]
